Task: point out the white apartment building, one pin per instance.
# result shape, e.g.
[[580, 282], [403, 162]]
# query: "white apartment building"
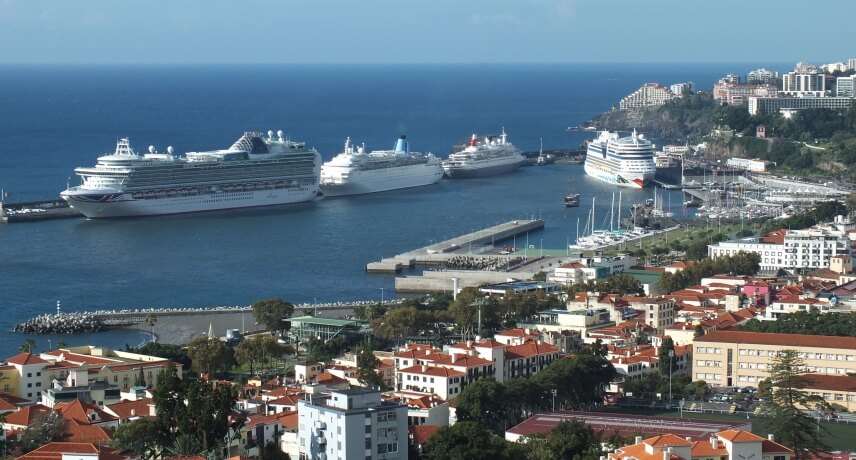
[[679, 89], [440, 381], [351, 424], [802, 249], [748, 164], [761, 75], [851, 64], [793, 304], [648, 95], [844, 86], [804, 80], [778, 104]]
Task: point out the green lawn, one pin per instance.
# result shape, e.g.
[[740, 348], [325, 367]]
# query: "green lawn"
[[840, 436]]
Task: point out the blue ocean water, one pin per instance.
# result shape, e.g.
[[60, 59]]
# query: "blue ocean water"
[[53, 119]]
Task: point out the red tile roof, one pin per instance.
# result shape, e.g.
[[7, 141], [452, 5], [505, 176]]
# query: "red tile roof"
[[24, 416], [80, 412], [831, 382], [530, 349], [767, 338], [739, 436], [26, 359], [54, 451], [126, 409], [432, 371], [667, 440], [88, 433], [421, 433]]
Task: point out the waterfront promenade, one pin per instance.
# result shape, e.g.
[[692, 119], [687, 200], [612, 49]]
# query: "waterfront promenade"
[[180, 325]]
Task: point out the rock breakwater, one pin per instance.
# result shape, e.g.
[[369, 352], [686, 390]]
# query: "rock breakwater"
[[62, 323]]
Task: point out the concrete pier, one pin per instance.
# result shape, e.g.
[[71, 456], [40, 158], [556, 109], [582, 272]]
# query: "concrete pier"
[[438, 253]]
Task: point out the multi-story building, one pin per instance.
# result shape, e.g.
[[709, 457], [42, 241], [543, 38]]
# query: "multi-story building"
[[834, 67], [648, 95], [575, 272], [844, 86], [351, 424], [804, 80], [851, 64], [729, 358], [811, 248], [659, 312], [733, 93], [679, 89], [28, 375], [761, 75], [748, 164], [792, 304], [777, 104], [732, 78], [440, 381]]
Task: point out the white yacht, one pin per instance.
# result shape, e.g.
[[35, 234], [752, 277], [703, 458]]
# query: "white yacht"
[[354, 171], [254, 171], [484, 158], [626, 161]]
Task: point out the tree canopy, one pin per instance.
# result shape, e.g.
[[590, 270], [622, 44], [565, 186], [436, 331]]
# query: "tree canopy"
[[210, 355], [785, 403], [272, 313], [807, 323]]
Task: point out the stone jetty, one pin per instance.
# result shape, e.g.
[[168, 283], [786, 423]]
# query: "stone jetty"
[[61, 323]]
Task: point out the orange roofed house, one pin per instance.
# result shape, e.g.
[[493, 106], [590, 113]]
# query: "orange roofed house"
[[724, 445], [29, 376]]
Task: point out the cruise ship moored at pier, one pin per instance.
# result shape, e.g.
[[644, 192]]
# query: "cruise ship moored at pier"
[[484, 158], [625, 161], [354, 171], [254, 171]]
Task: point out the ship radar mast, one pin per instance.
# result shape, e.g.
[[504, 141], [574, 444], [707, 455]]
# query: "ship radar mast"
[[504, 136]]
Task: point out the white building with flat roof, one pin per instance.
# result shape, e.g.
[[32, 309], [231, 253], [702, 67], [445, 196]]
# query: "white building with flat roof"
[[804, 80], [761, 75], [351, 424], [844, 86], [778, 104], [648, 95], [810, 248], [748, 164]]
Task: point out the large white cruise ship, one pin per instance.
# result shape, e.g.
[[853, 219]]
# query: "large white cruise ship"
[[354, 171], [254, 171], [486, 158], [626, 161]]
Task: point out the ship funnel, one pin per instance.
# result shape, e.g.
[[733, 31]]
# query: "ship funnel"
[[474, 141], [401, 144]]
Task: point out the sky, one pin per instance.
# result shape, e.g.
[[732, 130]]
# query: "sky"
[[424, 31]]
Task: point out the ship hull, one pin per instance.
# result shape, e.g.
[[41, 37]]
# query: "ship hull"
[[116, 205], [622, 179], [476, 171], [383, 180]]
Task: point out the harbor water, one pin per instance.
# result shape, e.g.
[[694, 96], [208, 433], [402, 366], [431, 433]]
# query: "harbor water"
[[56, 118]]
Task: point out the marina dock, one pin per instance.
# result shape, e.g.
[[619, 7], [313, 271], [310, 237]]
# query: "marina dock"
[[437, 253]]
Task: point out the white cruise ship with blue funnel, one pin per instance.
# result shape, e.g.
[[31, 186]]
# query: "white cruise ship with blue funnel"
[[355, 171], [625, 161], [255, 171]]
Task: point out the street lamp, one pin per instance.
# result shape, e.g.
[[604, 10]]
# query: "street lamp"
[[554, 393], [381, 297], [671, 356]]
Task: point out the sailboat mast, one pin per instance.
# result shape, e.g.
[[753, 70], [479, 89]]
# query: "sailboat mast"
[[592, 214], [611, 212], [618, 221]]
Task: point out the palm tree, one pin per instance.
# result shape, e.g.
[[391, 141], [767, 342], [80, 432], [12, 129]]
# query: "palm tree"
[[185, 445], [151, 320]]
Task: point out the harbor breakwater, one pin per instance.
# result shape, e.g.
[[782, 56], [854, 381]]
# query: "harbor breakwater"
[[102, 320]]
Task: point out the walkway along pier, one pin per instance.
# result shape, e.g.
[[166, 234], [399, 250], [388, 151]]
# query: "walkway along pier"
[[439, 253]]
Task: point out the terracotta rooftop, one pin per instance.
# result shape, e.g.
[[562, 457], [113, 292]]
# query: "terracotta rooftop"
[[26, 359], [24, 416], [831, 382], [739, 436], [785, 340], [126, 409], [667, 440], [54, 451], [530, 349], [432, 371], [421, 433]]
